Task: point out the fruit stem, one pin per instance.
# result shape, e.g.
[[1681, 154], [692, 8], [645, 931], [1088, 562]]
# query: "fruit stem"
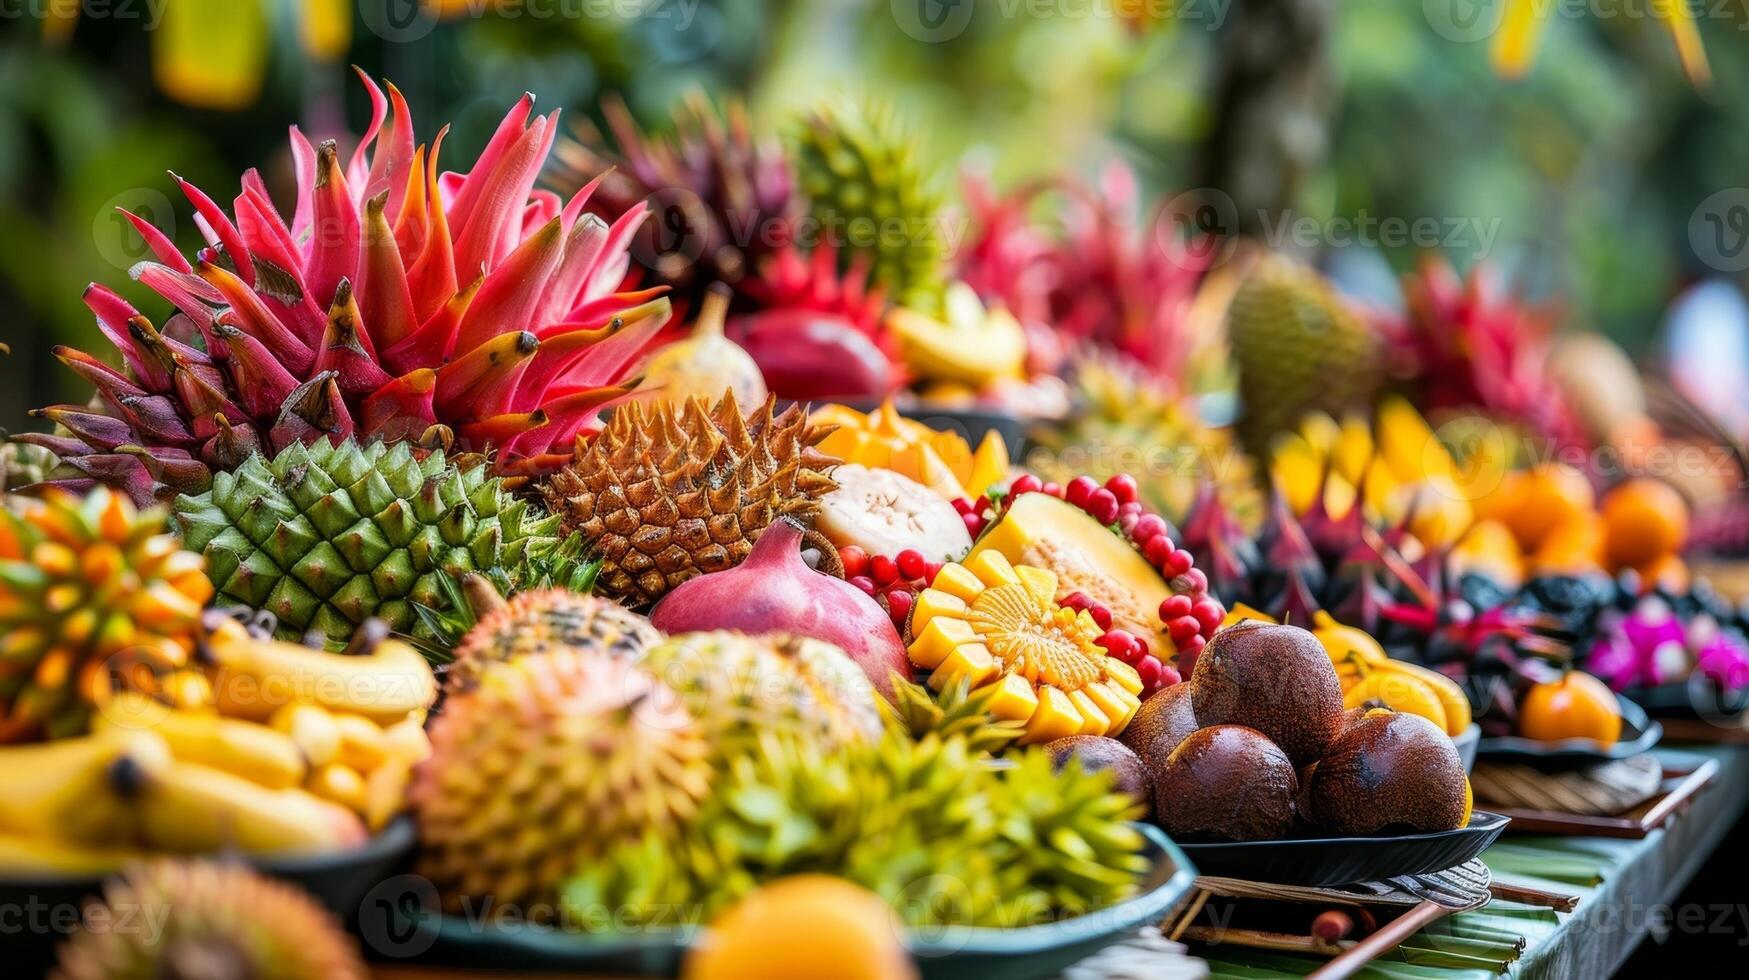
[[712, 312]]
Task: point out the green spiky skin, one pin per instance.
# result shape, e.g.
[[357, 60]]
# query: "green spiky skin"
[[1299, 348], [861, 170], [926, 824], [957, 712], [327, 535]]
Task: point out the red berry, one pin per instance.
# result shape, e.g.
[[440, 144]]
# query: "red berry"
[[855, 560], [912, 564], [1179, 562], [899, 602], [883, 570], [1193, 646], [1183, 628], [1142, 645], [1077, 601], [1103, 506], [1157, 549], [931, 571], [963, 505], [1024, 483], [1173, 607], [1209, 613], [1123, 487], [863, 582], [1101, 615], [1126, 521], [1118, 643], [974, 524], [1148, 669], [1148, 527], [1196, 582], [1052, 490], [1168, 675], [1079, 490]]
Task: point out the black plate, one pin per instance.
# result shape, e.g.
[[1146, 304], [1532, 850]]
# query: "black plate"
[[949, 954], [339, 880], [1639, 733], [1331, 861], [1697, 697]]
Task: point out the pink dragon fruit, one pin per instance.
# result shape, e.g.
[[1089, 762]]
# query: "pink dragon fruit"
[[400, 302]]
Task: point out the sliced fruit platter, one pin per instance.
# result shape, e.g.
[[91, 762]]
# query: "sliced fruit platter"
[[451, 527]]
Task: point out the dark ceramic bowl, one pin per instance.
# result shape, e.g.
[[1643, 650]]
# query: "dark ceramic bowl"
[[947, 954], [339, 881], [1330, 861], [1639, 734]]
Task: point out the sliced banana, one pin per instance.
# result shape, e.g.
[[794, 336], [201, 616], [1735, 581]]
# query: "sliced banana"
[[884, 513]]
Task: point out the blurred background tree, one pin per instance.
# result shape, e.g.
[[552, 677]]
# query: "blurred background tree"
[[1589, 167]]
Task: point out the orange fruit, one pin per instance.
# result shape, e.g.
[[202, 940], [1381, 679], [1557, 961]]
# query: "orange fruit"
[[1575, 545], [1490, 548], [1646, 520], [1541, 499], [1576, 706], [1669, 571], [803, 928]]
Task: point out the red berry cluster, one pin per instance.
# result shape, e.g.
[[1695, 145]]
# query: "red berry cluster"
[[1191, 615], [1125, 646], [892, 580], [972, 512]]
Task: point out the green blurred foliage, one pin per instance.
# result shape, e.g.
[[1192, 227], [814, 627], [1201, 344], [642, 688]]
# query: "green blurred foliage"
[[1592, 165]]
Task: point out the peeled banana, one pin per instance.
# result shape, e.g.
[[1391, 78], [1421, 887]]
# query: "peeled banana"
[[242, 748], [79, 790], [256, 677]]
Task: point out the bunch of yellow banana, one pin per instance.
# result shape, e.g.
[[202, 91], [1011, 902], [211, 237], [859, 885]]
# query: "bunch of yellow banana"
[[1395, 467], [1369, 675], [301, 751]]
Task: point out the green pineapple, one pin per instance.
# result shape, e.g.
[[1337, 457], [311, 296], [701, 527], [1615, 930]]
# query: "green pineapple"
[[327, 535], [871, 190]]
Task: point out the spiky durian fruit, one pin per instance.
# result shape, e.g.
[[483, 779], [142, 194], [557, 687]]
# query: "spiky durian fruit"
[[546, 764], [546, 620], [397, 298], [665, 493], [724, 195], [1128, 421], [958, 711], [871, 191], [208, 920], [926, 824], [1299, 348], [738, 685], [93, 596], [327, 535]]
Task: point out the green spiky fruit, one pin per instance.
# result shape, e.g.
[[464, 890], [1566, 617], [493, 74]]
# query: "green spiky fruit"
[[928, 825], [1127, 421], [546, 620], [545, 765], [959, 711], [1299, 347], [739, 686], [207, 920], [870, 189], [327, 535]]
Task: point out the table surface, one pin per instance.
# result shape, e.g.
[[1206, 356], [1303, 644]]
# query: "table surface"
[[1623, 887]]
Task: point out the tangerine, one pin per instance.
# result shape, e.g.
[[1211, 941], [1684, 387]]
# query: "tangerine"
[[1576, 706], [802, 928], [1541, 499], [1646, 519]]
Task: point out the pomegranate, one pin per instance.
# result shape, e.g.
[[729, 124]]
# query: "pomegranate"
[[807, 354], [774, 591]]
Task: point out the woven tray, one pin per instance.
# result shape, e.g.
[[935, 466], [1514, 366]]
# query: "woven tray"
[[1678, 784], [1604, 789]]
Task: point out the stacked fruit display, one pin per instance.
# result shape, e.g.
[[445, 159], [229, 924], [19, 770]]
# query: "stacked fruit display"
[[1257, 745]]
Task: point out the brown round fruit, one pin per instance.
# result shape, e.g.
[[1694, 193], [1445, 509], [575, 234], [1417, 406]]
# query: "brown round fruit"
[[1276, 679], [1097, 752], [1227, 782], [1160, 725], [1388, 770]]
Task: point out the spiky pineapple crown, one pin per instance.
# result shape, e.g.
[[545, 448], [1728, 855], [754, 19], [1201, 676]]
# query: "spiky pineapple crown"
[[398, 298]]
